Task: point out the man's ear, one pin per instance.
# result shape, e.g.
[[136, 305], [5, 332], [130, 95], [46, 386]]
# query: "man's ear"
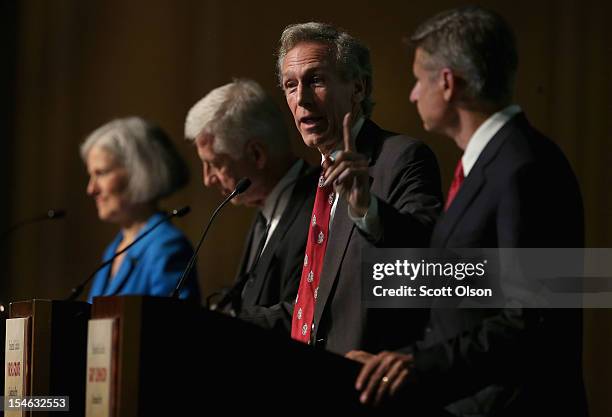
[[257, 152], [448, 83], [359, 90]]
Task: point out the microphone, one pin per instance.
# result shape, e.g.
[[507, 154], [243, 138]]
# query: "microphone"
[[241, 187], [76, 291], [233, 295], [51, 214], [55, 214]]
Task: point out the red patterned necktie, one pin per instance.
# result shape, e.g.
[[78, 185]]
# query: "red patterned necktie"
[[305, 301], [456, 184]]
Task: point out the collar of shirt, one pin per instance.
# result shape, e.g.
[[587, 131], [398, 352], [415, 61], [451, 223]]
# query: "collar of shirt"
[[283, 198], [484, 134]]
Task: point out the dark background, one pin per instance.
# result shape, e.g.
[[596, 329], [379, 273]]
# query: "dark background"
[[69, 66]]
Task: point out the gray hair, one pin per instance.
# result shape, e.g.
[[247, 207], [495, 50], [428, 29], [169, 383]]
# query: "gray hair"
[[475, 43], [155, 169], [235, 113], [351, 56]]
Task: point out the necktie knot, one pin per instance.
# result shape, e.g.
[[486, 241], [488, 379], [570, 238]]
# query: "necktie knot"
[[327, 162]]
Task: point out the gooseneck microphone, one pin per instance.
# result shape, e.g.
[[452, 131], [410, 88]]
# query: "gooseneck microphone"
[[51, 214], [241, 187], [76, 291]]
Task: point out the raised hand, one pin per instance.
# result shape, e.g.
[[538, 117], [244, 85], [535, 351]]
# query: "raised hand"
[[349, 173]]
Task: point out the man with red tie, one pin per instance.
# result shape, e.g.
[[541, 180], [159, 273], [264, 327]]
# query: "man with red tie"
[[512, 188], [377, 189]]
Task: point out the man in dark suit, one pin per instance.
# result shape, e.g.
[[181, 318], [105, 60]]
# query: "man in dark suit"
[[378, 189], [275, 275], [240, 132], [513, 188]]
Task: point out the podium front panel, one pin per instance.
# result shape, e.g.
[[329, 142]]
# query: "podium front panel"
[[16, 364]]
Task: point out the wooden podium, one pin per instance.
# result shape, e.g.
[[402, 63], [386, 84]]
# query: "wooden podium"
[[54, 351], [169, 357]]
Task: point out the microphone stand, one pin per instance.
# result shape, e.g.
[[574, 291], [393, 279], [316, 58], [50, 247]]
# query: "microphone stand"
[[241, 187], [51, 214]]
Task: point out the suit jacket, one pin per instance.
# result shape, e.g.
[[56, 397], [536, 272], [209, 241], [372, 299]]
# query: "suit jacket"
[[404, 176], [521, 193], [152, 266], [276, 276]]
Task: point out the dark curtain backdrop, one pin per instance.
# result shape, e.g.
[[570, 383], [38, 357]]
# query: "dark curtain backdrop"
[[71, 65]]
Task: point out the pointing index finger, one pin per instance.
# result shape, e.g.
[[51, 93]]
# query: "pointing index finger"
[[349, 141]]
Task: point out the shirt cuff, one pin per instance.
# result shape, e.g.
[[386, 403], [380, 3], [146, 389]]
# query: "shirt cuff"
[[370, 222]]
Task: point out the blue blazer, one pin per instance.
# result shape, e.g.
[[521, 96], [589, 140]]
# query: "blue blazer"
[[152, 266]]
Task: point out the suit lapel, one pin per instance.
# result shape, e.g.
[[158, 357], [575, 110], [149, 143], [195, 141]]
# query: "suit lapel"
[[245, 252], [119, 280], [299, 194], [472, 185], [468, 191], [339, 237]]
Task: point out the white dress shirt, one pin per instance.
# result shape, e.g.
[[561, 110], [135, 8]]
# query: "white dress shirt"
[[483, 135], [283, 199]]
